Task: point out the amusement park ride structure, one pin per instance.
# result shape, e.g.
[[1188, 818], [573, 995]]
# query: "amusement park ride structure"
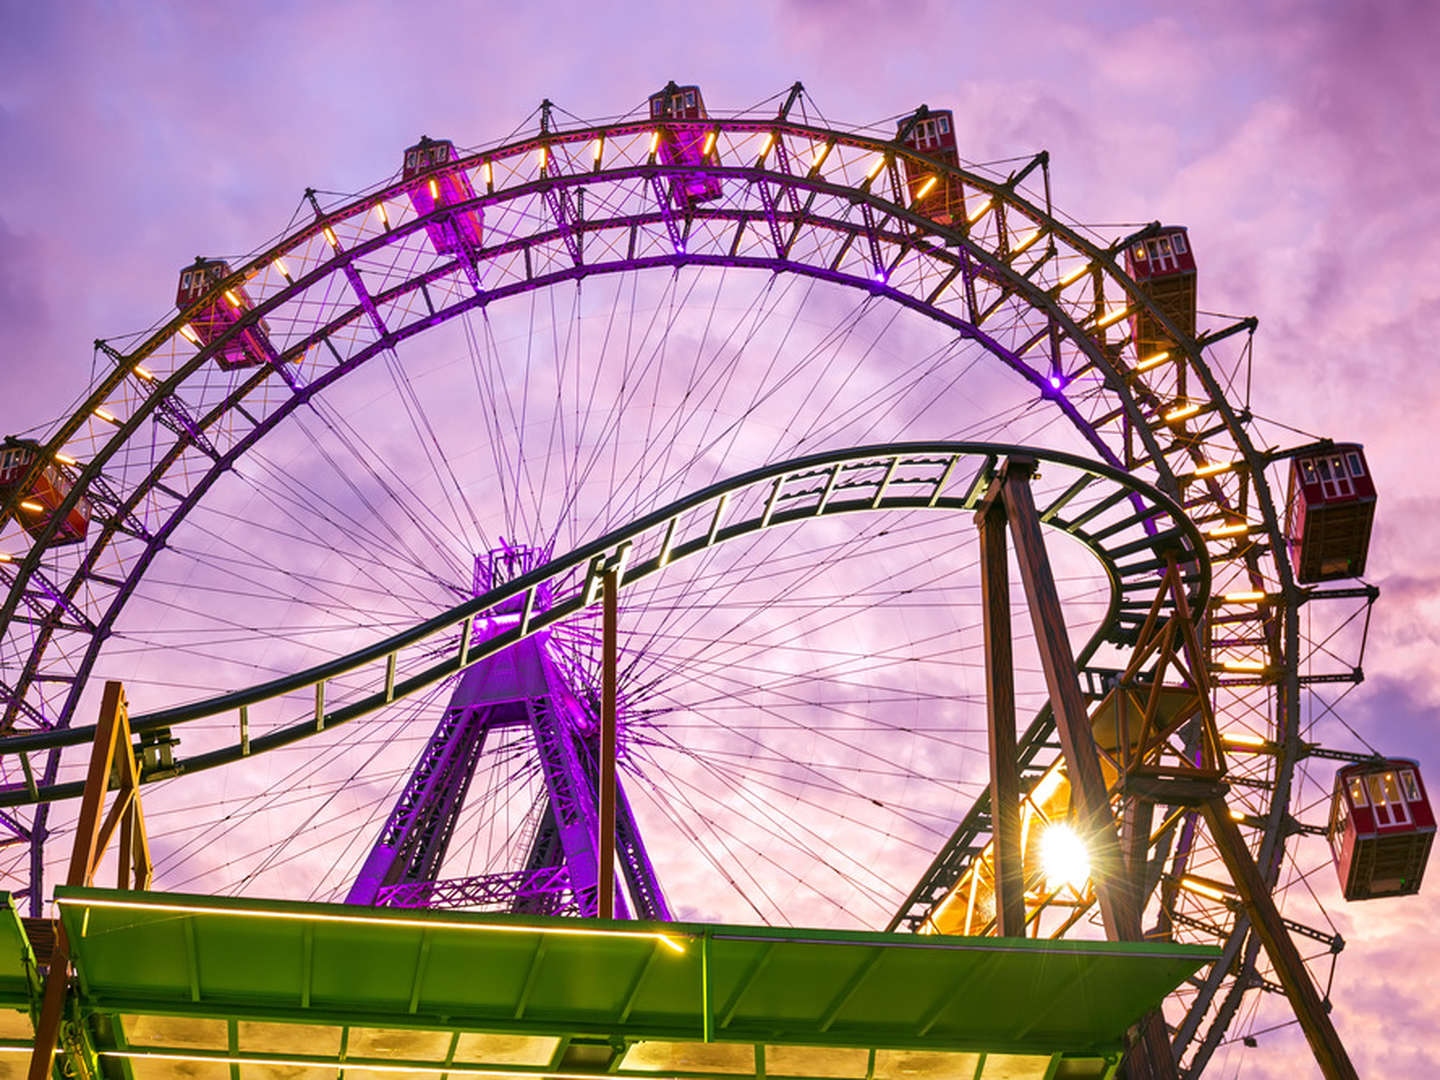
[[1188, 689]]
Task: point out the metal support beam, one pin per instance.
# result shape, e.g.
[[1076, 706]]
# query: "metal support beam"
[[1324, 1041], [1000, 699], [1151, 1057], [609, 649]]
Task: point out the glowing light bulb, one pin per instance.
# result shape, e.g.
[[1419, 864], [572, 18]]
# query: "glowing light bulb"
[[1064, 857]]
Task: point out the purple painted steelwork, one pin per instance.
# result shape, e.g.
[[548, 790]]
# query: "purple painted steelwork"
[[521, 686], [546, 891]]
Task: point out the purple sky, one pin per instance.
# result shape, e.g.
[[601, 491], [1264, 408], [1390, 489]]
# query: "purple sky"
[[1296, 140]]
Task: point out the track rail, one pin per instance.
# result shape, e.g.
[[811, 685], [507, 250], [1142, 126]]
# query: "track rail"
[[1133, 529]]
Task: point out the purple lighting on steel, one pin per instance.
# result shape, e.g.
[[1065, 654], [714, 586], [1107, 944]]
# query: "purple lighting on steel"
[[504, 564], [520, 687], [545, 891]]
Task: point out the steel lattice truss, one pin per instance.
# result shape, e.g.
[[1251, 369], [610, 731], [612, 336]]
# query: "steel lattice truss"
[[1041, 296]]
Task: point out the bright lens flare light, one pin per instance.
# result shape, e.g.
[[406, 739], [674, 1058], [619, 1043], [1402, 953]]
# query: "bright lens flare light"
[[1064, 857]]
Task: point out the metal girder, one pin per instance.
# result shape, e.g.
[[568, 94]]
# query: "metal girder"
[[1151, 1056], [566, 220], [521, 688], [1289, 968], [548, 883], [415, 837], [1000, 700]]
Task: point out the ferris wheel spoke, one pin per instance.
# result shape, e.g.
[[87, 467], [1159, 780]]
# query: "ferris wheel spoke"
[[790, 832]]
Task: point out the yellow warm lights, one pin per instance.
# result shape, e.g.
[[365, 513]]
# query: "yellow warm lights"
[[924, 190], [875, 167], [1153, 360], [1204, 888], [66, 459], [1214, 467], [1234, 528], [370, 920], [1029, 238], [654, 142], [31, 505], [980, 211], [1182, 412], [821, 153], [234, 300], [1253, 597], [188, 333], [1074, 275], [142, 373], [106, 415], [709, 144], [381, 214], [281, 269], [1112, 316], [1243, 665], [434, 188], [298, 1066], [597, 148], [330, 237], [1242, 738]]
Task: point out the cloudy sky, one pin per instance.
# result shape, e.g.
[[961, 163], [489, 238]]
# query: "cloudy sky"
[[1298, 141]]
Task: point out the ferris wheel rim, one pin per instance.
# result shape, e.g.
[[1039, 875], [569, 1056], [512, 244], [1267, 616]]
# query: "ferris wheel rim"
[[1287, 710]]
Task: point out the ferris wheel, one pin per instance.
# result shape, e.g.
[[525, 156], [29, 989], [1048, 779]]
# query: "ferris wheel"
[[341, 519]]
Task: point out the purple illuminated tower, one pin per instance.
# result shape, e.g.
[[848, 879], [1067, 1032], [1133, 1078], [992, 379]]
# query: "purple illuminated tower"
[[521, 687]]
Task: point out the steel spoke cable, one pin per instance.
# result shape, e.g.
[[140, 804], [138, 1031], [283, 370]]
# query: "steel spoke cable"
[[780, 829]]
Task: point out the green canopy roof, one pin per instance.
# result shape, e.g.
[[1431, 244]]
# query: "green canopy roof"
[[212, 982]]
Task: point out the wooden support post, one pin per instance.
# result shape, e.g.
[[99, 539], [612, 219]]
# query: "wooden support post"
[[1324, 1041], [1152, 1056], [1000, 701], [606, 845], [111, 756]]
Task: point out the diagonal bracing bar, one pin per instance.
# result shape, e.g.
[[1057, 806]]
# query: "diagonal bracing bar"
[[1324, 1041], [1151, 1058]]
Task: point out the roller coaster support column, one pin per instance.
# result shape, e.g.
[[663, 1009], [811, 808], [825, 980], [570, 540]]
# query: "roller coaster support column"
[[1324, 1041], [1151, 1058], [608, 659], [112, 757], [1000, 700]]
